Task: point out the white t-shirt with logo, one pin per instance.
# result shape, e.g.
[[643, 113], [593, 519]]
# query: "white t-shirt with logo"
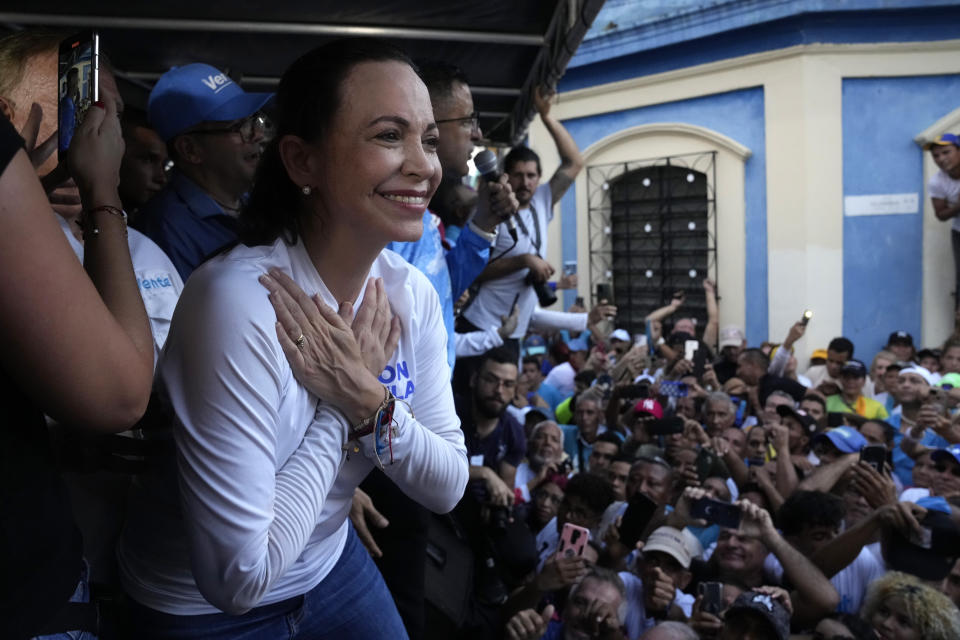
[[159, 283], [943, 187], [496, 296], [265, 482]]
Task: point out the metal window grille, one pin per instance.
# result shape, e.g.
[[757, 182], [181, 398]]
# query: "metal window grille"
[[653, 232]]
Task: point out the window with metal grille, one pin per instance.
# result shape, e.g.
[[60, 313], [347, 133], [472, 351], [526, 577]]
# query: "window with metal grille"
[[652, 233]]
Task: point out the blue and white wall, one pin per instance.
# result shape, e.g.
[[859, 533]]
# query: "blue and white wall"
[[804, 112]]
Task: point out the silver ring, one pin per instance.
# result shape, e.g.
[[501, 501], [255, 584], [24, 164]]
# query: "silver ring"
[[300, 342]]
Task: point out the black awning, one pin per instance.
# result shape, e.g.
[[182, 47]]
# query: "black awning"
[[506, 47]]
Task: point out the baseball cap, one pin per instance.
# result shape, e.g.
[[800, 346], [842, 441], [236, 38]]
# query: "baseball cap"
[[854, 368], [846, 439], [771, 610], [929, 556], [819, 354], [950, 381], [621, 335], [534, 345], [801, 416], [942, 140], [731, 336], [900, 337], [920, 371], [650, 406], [577, 344], [671, 542], [186, 96], [952, 452]]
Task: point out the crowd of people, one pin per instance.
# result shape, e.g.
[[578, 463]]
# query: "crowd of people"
[[344, 411]]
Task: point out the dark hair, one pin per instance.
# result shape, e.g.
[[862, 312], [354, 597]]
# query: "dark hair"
[[306, 102], [133, 118], [756, 356], [889, 431], [531, 360], [816, 398], [585, 377], [841, 345], [622, 457], [597, 492], [810, 509], [520, 154], [440, 78], [608, 436], [500, 355]]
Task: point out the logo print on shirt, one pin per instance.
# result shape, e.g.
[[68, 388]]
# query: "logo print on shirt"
[[398, 377]]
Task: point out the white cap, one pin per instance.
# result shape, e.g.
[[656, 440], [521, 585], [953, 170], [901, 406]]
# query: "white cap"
[[731, 336], [620, 334]]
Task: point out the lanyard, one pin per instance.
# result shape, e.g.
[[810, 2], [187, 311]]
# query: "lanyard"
[[536, 227]]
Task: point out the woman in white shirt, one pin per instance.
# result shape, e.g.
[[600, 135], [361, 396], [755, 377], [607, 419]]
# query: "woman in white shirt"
[[272, 418]]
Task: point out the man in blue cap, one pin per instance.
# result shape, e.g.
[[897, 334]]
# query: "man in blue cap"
[[944, 188], [214, 132]]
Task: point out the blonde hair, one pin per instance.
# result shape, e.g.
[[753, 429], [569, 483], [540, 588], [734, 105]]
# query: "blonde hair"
[[932, 614]]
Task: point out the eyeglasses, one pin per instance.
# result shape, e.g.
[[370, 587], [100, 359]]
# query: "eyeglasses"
[[491, 380], [473, 119], [942, 468], [248, 128]]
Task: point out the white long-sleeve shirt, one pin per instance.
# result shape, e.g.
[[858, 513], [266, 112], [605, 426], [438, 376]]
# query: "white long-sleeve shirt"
[[264, 483]]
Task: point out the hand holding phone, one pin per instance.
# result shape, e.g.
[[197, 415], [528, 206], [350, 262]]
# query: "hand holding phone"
[[573, 540], [636, 518], [78, 84], [712, 601], [874, 455]]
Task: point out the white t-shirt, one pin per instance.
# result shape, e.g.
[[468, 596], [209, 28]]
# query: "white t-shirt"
[[496, 296], [851, 582], [943, 187], [159, 283], [264, 482], [637, 621], [561, 378]]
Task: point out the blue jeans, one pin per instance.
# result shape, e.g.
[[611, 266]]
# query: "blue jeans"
[[351, 602], [81, 594]]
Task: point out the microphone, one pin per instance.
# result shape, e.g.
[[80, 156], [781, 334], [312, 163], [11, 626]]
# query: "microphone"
[[489, 168]]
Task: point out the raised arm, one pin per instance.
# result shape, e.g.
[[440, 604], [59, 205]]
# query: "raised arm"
[[712, 328], [666, 310], [80, 343], [571, 162]]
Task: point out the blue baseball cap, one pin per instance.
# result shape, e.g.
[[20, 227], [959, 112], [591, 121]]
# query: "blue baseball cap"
[[846, 439], [952, 452], [186, 96], [578, 344], [534, 345], [942, 140]]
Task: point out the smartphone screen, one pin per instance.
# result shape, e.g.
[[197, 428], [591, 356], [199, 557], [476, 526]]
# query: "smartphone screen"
[[722, 513], [77, 84], [635, 519], [604, 292], [712, 593], [569, 267], [690, 349]]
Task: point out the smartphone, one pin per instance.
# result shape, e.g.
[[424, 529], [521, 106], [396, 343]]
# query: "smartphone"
[[715, 512], [640, 340], [712, 593], [690, 349], [604, 292], [78, 84], [635, 519], [674, 388], [874, 455], [573, 540], [570, 267], [579, 301], [665, 426], [634, 391], [705, 462], [807, 314]]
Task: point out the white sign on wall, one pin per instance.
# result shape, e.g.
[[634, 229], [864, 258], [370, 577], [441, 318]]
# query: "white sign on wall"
[[881, 204]]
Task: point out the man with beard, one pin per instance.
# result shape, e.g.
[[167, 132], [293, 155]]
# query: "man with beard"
[[495, 440], [516, 265], [214, 131], [544, 457]]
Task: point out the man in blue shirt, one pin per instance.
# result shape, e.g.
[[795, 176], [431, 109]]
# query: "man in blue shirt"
[[214, 131], [452, 271]]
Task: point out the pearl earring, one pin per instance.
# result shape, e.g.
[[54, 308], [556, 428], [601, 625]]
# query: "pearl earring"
[[306, 189]]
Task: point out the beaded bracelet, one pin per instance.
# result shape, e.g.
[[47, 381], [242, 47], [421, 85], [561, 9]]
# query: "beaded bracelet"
[[115, 211]]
